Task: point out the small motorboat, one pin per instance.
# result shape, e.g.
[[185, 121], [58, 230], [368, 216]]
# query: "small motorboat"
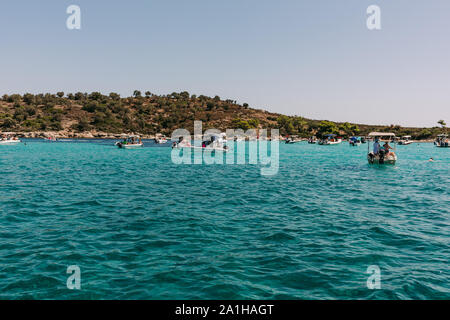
[[381, 156], [442, 141], [131, 142], [405, 140], [9, 141], [160, 139], [292, 140], [312, 140], [213, 144], [330, 139], [354, 141]]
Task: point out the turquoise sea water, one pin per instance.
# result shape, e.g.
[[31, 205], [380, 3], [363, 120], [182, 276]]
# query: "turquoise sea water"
[[141, 227]]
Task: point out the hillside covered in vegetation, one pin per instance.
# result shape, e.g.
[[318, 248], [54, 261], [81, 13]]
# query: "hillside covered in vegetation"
[[149, 114]]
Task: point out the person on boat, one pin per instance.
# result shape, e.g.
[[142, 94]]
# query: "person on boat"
[[209, 142], [376, 146], [386, 148]]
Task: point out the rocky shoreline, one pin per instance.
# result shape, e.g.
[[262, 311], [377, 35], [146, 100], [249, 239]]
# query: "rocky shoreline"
[[97, 135], [75, 135]]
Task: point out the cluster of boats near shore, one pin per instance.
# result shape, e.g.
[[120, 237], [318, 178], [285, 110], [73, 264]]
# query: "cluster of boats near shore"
[[355, 141], [9, 140], [382, 152]]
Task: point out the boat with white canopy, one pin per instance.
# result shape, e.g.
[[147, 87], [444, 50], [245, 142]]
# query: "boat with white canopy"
[[442, 141], [381, 154], [405, 140], [130, 142]]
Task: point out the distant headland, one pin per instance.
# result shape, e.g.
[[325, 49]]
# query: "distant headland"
[[95, 115]]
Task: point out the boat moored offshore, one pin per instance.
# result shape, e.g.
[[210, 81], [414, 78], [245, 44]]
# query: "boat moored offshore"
[[212, 143], [312, 140], [160, 139], [442, 141], [131, 142], [405, 140], [9, 140], [381, 154], [330, 139], [354, 141], [292, 140]]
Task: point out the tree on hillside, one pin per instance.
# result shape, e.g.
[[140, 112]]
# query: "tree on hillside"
[[114, 96], [8, 123], [253, 123], [327, 127], [285, 125], [136, 93], [442, 123], [79, 96], [60, 94], [95, 96], [349, 129], [240, 124], [424, 134], [185, 95], [28, 98], [299, 124]]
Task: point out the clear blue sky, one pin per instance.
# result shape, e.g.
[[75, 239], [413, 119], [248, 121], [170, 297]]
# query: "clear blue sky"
[[313, 58]]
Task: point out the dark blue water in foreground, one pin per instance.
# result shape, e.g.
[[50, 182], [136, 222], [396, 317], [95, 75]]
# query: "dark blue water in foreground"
[[141, 227]]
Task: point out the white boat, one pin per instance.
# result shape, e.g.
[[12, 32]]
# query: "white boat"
[[405, 140], [312, 140], [330, 139], [160, 139], [442, 141], [354, 141], [381, 157], [213, 144], [206, 149], [132, 146], [9, 142], [292, 140], [131, 142]]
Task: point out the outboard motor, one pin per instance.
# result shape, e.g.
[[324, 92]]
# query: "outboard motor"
[[381, 155]]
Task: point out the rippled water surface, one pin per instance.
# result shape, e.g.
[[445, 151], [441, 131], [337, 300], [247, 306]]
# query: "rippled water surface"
[[141, 227]]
